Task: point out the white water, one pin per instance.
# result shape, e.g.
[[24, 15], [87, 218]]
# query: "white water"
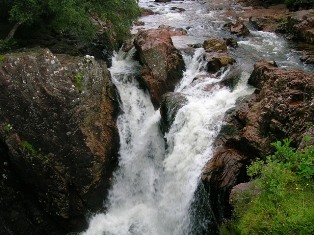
[[154, 187]]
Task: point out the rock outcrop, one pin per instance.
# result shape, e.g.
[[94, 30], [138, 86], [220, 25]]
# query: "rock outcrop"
[[282, 106], [58, 141], [162, 63]]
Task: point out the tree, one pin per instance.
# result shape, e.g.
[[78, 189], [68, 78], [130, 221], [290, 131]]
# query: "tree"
[[69, 16]]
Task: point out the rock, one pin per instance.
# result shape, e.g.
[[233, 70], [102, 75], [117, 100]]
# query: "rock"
[[170, 105], [282, 106], [238, 28], [232, 77], [147, 12], [217, 61], [59, 139], [177, 9], [299, 26], [173, 31], [215, 45], [162, 63], [243, 191], [231, 42], [162, 0]]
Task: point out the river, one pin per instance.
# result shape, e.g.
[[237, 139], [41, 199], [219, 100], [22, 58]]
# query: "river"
[[154, 186]]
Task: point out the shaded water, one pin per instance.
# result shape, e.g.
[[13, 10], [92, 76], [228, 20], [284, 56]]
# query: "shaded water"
[[154, 187]]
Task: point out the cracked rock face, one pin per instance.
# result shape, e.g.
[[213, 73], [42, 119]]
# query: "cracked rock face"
[[59, 140]]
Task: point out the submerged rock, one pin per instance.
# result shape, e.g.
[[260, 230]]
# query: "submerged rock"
[[58, 140], [163, 64], [282, 106]]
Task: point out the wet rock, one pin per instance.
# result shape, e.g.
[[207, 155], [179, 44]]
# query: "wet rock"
[[217, 61], [59, 139], [147, 12], [231, 42], [282, 106], [173, 31], [170, 105], [215, 45], [177, 9], [162, 63], [232, 77]]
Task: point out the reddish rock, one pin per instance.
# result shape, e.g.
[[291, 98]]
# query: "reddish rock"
[[58, 138], [163, 64], [282, 106]]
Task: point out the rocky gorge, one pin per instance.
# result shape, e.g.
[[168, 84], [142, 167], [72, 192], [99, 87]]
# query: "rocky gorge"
[[58, 121]]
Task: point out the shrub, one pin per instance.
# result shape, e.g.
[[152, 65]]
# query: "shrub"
[[285, 202]]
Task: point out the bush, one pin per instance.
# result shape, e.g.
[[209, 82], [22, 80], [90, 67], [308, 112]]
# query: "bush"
[[284, 204]]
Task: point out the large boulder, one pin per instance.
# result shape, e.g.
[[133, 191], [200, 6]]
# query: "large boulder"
[[282, 106], [163, 64], [58, 140]]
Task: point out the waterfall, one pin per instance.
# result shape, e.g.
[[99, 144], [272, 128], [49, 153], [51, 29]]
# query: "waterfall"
[[154, 187], [158, 175]]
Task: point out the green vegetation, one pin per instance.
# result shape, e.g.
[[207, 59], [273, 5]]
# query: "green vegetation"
[[77, 18], [78, 81], [32, 152], [281, 198], [8, 127], [29, 148]]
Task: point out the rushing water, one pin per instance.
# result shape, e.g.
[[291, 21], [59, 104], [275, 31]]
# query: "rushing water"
[[154, 187]]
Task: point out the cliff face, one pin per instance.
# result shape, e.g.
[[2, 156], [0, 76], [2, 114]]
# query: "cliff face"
[[59, 141]]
